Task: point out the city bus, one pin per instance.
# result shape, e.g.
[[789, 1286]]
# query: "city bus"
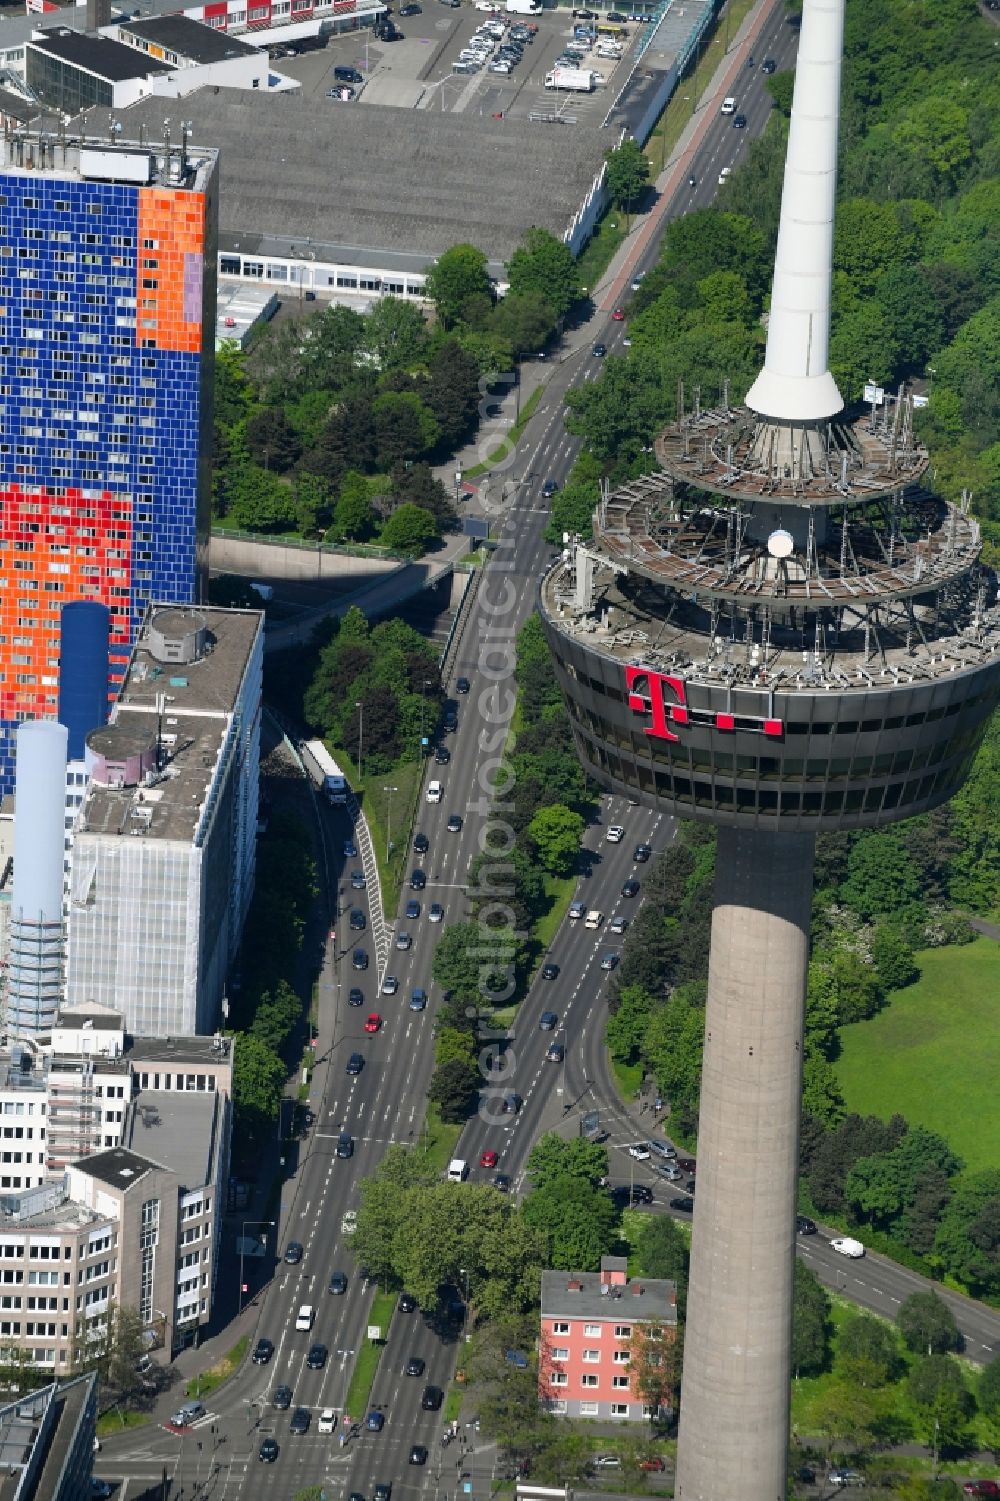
[[612, 28]]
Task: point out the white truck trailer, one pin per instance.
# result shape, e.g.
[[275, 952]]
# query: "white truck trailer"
[[575, 80], [335, 788]]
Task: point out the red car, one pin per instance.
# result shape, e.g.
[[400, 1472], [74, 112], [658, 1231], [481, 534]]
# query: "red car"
[[981, 1488], [373, 1022], [653, 1463], [488, 1159], [618, 315]]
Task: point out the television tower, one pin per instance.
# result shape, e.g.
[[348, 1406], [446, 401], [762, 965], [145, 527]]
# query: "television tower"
[[784, 634]]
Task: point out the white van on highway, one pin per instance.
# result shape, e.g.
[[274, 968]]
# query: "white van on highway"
[[435, 791], [458, 1170], [593, 919], [304, 1317]]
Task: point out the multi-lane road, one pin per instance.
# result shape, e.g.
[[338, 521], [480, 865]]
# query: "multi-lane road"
[[385, 1102]]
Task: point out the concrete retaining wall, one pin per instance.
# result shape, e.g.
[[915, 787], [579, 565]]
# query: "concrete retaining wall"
[[254, 558]]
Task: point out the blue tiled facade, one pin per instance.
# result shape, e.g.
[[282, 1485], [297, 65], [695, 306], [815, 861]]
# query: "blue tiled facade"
[[106, 341]]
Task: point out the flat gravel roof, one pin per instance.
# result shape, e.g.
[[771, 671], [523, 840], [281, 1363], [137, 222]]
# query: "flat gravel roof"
[[392, 179]]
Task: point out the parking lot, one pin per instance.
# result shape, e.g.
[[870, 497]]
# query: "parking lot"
[[416, 71]]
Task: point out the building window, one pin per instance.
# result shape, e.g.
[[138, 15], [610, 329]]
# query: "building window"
[[592, 1355], [621, 1357], [560, 1328], [623, 1331], [593, 1331], [559, 1378], [558, 1406], [561, 1352], [619, 1409], [589, 1380], [589, 1409], [620, 1382]]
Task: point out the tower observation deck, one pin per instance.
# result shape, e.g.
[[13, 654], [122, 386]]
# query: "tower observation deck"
[[783, 632]]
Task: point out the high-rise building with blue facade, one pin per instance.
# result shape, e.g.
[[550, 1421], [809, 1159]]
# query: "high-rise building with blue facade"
[[107, 315]]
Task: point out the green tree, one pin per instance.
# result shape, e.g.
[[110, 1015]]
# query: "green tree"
[[571, 510], [454, 1042], [928, 1325], [654, 1363], [943, 1402], [258, 1084], [663, 1252], [396, 333], [988, 1400], [454, 1089], [456, 275], [893, 957], [113, 1346], [579, 1222], [545, 265], [258, 501], [867, 241], [276, 1015], [353, 516], [556, 832], [271, 440], [409, 529], [405, 428], [631, 1010], [724, 298], [848, 1414], [525, 321], [881, 879], [233, 389], [810, 1322], [628, 173], [935, 129], [555, 1156], [472, 961], [867, 1352]]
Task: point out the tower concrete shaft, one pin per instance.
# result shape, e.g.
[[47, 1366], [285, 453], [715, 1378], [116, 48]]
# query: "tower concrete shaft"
[[735, 1392], [795, 385]]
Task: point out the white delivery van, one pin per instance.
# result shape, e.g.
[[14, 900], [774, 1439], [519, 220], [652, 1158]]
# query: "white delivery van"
[[458, 1170], [435, 791], [304, 1317]]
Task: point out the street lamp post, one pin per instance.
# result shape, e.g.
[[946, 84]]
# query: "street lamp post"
[[423, 705], [388, 819], [465, 1311], [361, 726], [270, 1224]]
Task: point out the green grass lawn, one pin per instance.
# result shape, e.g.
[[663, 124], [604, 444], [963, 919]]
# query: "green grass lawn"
[[931, 1053], [115, 1420], [201, 1385], [368, 1357]]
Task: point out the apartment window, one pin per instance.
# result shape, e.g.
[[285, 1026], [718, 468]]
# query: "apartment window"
[[560, 1352], [592, 1355], [558, 1406], [619, 1409], [589, 1409], [623, 1331], [619, 1382], [621, 1357], [560, 1328], [559, 1378], [589, 1380], [592, 1331]]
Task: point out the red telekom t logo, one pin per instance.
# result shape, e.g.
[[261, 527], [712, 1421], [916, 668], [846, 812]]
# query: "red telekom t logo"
[[652, 699]]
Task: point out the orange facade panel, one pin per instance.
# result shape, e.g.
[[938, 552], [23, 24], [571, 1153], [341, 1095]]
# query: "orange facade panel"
[[53, 550], [169, 269]]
